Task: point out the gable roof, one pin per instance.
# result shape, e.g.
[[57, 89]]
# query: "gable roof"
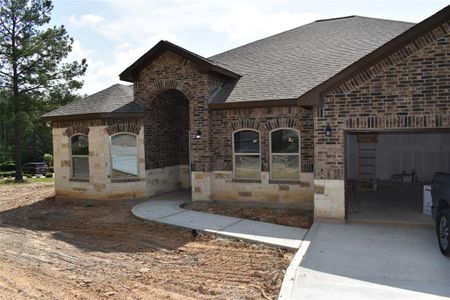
[[313, 96], [204, 64], [114, 101], [287, 65]]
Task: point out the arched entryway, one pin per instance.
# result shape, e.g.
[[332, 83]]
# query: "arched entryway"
[[167, 142]]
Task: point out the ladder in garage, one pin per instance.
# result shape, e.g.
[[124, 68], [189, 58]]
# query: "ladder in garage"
[[367, 161]]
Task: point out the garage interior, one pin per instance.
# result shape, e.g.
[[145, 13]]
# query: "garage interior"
[[387, 173]]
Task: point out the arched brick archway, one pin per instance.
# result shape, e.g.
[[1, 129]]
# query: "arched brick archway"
[[167, 130], [167, 124], [160, 86]]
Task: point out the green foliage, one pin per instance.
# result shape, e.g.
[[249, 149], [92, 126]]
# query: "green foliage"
[[35, 77], [48, 159], [49, 175]]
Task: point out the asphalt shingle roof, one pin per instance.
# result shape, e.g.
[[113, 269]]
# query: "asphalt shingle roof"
[[118, 98], [288, 64], [282, 66]]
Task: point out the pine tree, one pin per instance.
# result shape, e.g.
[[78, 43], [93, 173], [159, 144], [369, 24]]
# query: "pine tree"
[[32, 64]]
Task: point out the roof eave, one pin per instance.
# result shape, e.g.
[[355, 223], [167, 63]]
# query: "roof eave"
[[253, 104], [112, 115]]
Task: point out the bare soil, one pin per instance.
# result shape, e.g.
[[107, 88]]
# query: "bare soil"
[[302, 218], [60, 250]]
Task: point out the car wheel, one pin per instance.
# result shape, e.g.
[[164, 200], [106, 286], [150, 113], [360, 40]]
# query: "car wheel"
[[442, 227]]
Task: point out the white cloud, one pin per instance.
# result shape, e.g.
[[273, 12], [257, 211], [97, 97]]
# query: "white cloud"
[[238, 22], [104, 71], [246, 22], [87, 20]]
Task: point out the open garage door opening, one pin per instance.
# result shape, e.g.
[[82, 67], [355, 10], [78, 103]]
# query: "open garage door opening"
[[389, 173]]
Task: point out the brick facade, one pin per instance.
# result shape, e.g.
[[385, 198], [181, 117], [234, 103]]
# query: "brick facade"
[[175, 94], [160, 88], [225, 122], [173, 72], [408, 90]]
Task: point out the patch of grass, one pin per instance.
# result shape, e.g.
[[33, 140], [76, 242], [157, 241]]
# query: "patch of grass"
[[9, 181]]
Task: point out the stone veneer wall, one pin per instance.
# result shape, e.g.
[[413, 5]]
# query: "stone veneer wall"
[[167, 179], [407, 90], [100, 186], [218, 183]]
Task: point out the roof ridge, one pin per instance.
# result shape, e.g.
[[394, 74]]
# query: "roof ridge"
[[365, 17], [336, 18], [297, 27], [259, 40], [120, 86]]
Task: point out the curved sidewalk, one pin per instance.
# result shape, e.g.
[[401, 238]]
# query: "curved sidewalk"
[[166, 209]]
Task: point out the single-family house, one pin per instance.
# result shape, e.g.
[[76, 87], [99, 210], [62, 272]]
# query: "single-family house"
[[282, 120]]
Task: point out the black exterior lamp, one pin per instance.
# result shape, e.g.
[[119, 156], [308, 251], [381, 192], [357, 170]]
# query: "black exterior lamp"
[[198, 134], [328, 130]]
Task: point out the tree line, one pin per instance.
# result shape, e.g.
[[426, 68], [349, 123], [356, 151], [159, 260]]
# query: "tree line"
[[35, 77]]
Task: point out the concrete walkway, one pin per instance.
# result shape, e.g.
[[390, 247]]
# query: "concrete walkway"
[[370, 261], [166, 209]]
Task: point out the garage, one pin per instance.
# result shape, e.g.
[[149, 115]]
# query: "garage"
[[388, 174]]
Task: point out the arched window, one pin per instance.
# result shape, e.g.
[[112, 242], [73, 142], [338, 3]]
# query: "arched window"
[[79, 146], [246, 154], [124, 155], [285, 155]]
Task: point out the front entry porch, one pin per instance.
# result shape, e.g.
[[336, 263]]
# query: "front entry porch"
[[167, 143]]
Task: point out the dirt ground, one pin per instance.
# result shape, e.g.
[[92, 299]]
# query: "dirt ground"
[[290, 217], [59, 250]]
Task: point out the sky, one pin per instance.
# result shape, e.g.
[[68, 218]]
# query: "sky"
[[112, 34]]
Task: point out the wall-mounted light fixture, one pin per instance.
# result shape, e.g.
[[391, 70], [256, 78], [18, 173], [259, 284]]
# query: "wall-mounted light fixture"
[[328, 130], [198, 134]]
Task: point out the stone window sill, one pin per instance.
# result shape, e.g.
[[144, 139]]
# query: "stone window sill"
[[79, 179], [288, 182], [122, 180], [246, 180]]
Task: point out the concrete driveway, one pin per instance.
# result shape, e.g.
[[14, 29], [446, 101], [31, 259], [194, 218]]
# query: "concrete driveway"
[[371, 261]]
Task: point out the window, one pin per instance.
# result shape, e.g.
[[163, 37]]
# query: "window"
[[124, 154], [80, 156], [246, 157], [285, 155]]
